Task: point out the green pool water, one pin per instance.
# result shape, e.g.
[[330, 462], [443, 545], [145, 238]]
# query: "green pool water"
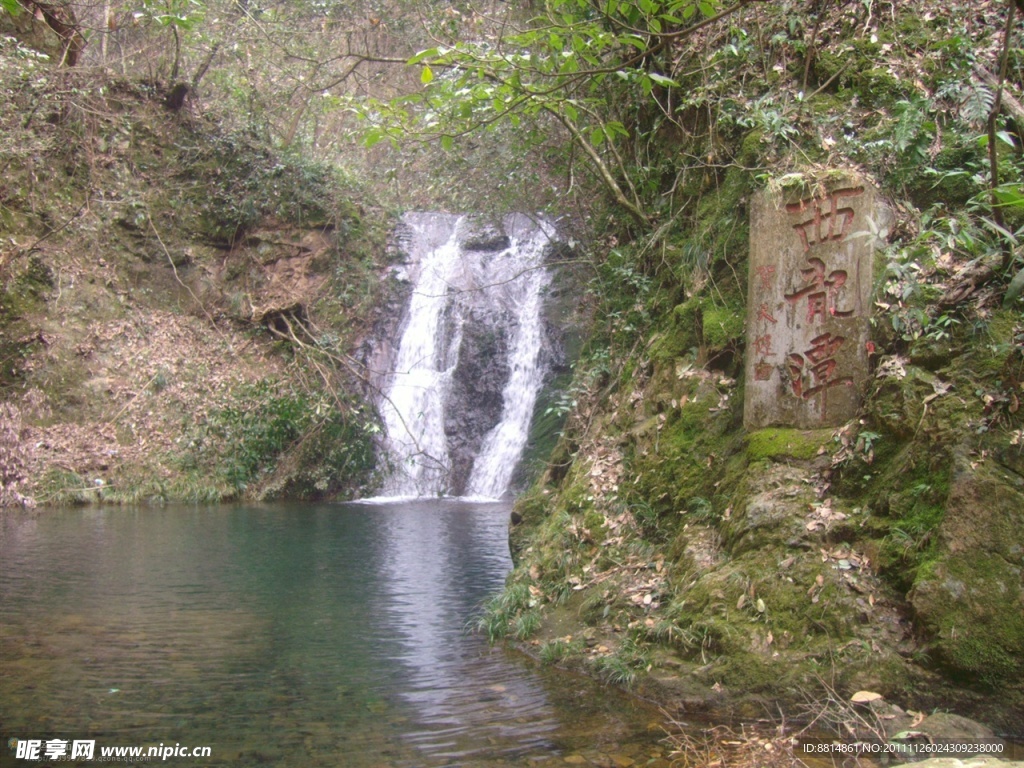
[[286, 635]]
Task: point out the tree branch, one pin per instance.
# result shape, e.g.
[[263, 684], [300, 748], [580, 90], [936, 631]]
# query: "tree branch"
[[993, 151], [601, 167]]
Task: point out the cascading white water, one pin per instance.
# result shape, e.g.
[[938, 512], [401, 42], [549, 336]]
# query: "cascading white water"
[[486, 286], [413, 407], [503, 445]]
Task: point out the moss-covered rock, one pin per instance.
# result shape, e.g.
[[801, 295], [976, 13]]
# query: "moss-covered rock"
[[804, 444], [970, 602], [949, 185], [768, 508]]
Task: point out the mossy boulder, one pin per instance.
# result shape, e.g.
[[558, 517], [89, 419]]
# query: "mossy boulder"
[[898, 403], [949, 185], [675, 456], [969, 603], [772, 501], [783, 596], [702, 323]]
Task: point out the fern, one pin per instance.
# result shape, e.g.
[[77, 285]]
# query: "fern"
[[913, 129], [977, 103]]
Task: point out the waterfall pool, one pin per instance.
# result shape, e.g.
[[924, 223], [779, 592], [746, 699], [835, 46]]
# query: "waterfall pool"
[[287, 635]]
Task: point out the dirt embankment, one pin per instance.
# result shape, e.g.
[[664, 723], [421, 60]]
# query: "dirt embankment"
[[179, 304]]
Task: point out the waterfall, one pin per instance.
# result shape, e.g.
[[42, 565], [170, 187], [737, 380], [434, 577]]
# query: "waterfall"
[[467, 369], [502, 446], [413, 408]]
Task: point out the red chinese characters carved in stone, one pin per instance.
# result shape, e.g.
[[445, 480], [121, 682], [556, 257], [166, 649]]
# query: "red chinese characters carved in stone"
[[764, 312], [820, 291], [763, 344], [766, 273], [825, 225], [819, 360]]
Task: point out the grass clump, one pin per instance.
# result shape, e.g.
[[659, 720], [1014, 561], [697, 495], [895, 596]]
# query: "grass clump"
[[63, 487], [504, 614], [526, 624], [623, 666], [555, 651], [284, 440]]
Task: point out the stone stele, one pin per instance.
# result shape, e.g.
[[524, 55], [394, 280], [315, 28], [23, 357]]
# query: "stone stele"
[[809, 301]]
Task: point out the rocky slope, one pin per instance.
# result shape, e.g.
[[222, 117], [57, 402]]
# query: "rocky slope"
[[666, 547], [179, 304]]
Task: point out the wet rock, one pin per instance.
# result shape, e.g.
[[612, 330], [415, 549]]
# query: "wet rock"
[[490, 242], [947, 728], [891, 718], [477, 389], [484, 236]]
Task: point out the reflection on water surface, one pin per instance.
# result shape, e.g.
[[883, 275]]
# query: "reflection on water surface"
[[287, 635]]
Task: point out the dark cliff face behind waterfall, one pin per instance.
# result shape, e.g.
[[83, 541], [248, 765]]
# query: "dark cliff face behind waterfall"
[[469, 362]]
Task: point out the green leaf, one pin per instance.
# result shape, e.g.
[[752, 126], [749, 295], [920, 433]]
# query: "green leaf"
[[668, 82], [429, 53], [597, 136], [426, 75], [615, 128], [447, 143], [1006, 137], [1014, 289], [1009, 195], [373, 136], [11, 6]]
